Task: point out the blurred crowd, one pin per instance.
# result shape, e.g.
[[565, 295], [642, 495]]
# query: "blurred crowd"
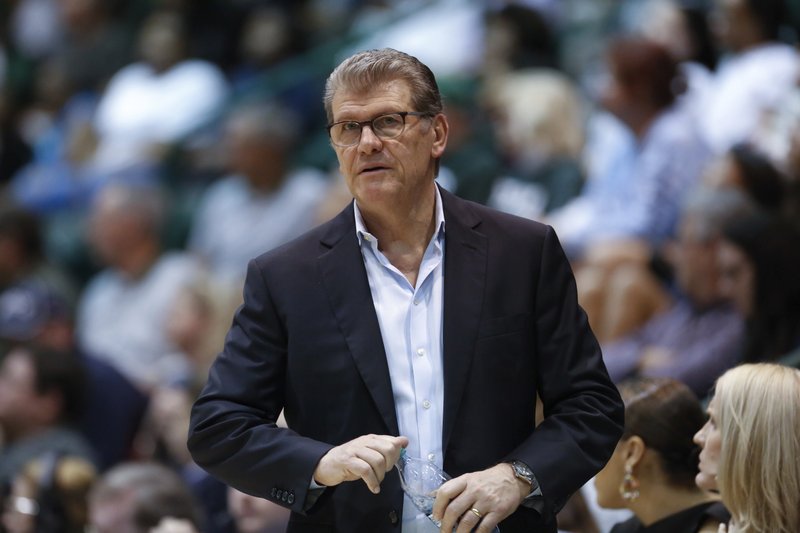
[[150, 148]]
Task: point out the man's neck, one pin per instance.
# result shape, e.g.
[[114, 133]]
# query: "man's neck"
[[404, 234]]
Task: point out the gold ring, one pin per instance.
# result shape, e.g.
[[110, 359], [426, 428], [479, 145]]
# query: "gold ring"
[[476, 513]]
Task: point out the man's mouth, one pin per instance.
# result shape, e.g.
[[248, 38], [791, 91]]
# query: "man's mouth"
[[376, 168]]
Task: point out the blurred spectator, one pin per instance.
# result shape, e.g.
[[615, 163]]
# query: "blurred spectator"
[[14, 151], [49, 495], [163, 439], [256, 515], [700, 335], [58, 126], [95, 45], [750, 446], [682, 27], [137, 497], [517, 36], [754, 77], [653, 469], [638, 193], [123, 311], [759, 261], [157, 101], [471, 162], [264, 202], [35, 27], [539, 124], [197, 324], [198, 321], [631, 201], [41, 396], [113, 407], [746, 169], [270, 35], [22, 256]]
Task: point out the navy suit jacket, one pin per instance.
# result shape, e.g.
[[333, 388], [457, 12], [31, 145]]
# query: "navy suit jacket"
[[307, 340]]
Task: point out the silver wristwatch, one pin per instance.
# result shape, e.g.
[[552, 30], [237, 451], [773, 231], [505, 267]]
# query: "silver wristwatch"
[[523, 472]]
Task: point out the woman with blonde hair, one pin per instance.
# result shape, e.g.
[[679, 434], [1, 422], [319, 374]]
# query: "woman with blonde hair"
[[750, 447]]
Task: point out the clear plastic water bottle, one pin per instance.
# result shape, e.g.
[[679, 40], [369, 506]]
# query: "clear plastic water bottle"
[[420, 480]]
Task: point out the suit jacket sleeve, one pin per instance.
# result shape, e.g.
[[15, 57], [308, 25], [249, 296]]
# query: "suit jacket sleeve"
[[233, 432], [583, 413]]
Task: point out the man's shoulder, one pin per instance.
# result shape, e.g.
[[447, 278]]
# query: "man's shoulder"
[[489, 220]]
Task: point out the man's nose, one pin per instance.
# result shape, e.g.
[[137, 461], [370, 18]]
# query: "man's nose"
[[369, 142]]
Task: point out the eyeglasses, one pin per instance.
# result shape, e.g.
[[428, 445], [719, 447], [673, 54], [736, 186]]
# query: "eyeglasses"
[[348, 132]]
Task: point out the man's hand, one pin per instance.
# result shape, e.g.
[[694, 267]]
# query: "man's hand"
[[479, 499], [368, 458]]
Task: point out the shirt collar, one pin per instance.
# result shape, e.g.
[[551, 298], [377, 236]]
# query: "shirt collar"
[[361, 227]]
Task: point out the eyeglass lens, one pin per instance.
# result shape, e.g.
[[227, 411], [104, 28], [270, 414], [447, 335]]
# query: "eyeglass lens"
[[384, 126]]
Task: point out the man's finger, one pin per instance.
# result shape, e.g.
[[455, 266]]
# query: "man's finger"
[[469, 520], [444, 497]]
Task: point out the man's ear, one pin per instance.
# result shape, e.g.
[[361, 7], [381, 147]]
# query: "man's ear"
[[441, 129]]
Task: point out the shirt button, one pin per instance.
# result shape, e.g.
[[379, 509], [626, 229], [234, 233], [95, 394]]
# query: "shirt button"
[[421, 352], [426, 404], [416, 302], [431, 457]]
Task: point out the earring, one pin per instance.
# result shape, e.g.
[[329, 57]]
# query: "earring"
[[629, 489]]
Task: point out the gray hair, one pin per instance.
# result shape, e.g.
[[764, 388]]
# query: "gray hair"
[[365, 70], [266, 121], [156, 491], [713, 208], [145, 201]]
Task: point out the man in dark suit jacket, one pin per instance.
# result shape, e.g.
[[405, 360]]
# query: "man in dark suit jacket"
[[412, 319]]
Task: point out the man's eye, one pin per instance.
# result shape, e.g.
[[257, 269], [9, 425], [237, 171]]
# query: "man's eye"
[[350, 126], [387, 121]]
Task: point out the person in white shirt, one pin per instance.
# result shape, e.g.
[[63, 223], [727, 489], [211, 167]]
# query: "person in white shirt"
[[263, 202], [756, 75], [122, 314], [157, 101]]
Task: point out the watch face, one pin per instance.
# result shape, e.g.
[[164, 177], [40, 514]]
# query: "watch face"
[[522, 471]]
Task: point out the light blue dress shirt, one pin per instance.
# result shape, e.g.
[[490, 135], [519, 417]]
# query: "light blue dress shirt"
[[410, 320]]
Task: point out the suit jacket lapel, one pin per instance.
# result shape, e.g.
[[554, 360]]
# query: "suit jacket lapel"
[[346, 282], [464, 280]]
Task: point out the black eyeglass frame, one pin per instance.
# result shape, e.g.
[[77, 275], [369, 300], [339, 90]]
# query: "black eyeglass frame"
[[371, 122]]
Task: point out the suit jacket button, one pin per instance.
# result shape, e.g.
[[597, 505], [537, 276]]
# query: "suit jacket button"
[[274, 492], [278, 494], [393, 518], [290, 499], [285, 496]]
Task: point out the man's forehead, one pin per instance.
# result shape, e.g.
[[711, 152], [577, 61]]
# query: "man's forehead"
[[394, 95]]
